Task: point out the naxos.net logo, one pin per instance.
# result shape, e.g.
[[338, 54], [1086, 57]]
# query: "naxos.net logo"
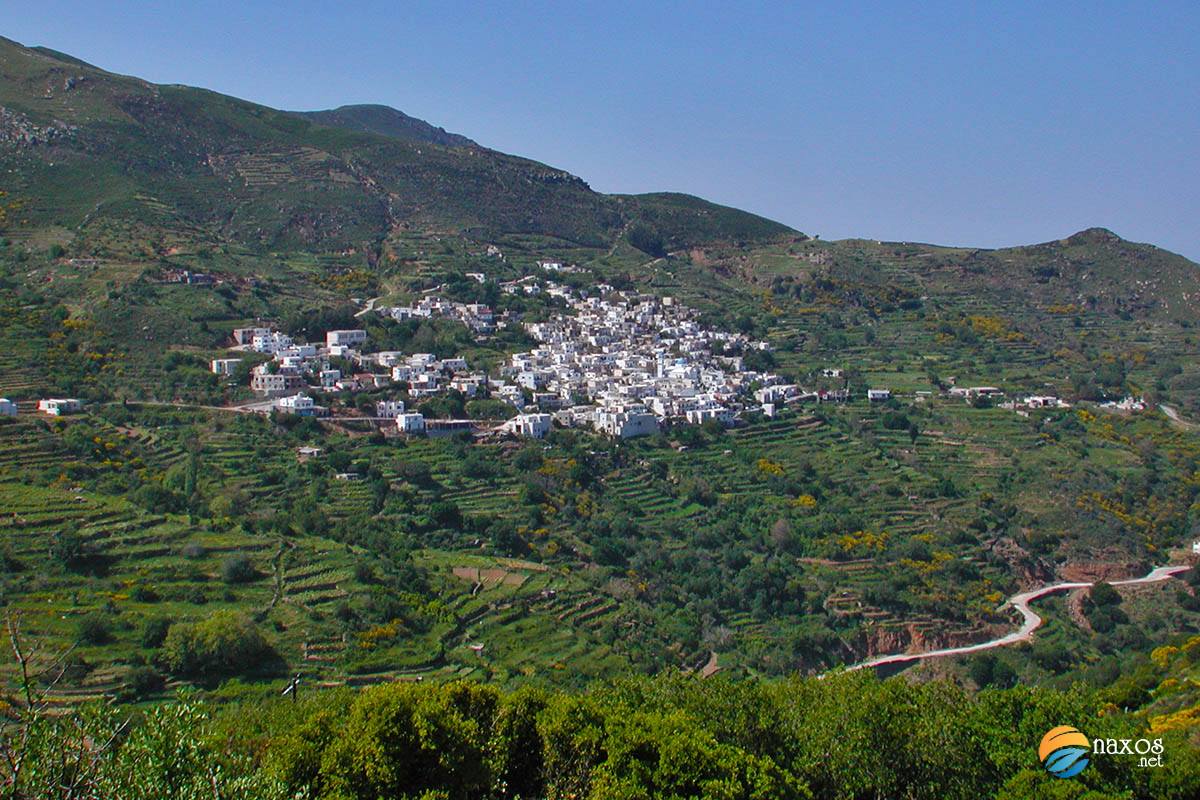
[[1065, 751]]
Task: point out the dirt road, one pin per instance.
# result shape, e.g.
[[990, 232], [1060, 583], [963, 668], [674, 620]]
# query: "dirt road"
[[1030, 621]]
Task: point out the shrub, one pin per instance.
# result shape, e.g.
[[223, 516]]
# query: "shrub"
[[1103, 594], [69, 549], [445, 514], [238, 569], [154, 632], [364, 572], [225, 643], [402, 740], [646, 239], [142, 682], [95, 629]]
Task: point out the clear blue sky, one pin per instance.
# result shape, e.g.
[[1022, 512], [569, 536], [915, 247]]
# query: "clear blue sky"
[[953, 122]]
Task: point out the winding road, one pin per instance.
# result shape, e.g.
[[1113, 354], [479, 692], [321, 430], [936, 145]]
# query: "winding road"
[[1176, 420], [1030, 620]]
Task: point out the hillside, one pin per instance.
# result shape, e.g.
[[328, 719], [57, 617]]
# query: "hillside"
[[813, 536], [92, 159], [385, 121]]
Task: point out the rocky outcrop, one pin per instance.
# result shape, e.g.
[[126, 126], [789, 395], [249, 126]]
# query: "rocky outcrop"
[[918, 637], [1116, 569], [16, 128], [1030, 570]]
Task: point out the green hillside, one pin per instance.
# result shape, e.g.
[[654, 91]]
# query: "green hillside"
[[386, 121], [90, 155], [167, 539]]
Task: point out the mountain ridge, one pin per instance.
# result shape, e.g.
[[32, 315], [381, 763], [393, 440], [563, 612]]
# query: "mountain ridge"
[[83, 144], [386, 121], [50, 116]]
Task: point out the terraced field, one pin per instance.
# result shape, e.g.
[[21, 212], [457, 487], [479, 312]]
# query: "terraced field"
[[141, 566]]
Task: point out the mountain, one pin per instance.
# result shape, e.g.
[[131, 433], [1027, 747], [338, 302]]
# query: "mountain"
[[385, 121], [1092, 270], [93, 159]]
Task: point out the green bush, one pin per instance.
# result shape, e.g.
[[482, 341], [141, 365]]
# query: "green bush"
[[225, 643], [95, 629], [99, 752], [403, 740], [238, 569], [646, 239], [154, 632], [69, 549]]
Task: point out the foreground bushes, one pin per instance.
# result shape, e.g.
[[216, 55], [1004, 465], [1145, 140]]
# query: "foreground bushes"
[[99, 753], [672, 737], [679, 737]]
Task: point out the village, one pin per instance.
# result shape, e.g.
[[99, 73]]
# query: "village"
[[621, 363]]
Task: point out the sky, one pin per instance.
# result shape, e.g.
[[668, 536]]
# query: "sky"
[[983, 124]]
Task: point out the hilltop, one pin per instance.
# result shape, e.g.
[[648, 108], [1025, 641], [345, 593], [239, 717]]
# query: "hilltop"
[[386, 121]]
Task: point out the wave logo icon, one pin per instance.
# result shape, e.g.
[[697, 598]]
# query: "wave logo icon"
[[1064, 751]]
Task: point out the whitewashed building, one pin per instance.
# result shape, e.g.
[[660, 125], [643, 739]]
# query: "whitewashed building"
[[57, 406], [271, 342], [244, 336], [345, 338], [535, 426], [698, 416], [410, 423], [625, 424], [389, 409], [300, 404]]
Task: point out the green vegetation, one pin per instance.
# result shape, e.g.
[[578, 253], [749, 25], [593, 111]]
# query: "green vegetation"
[[226, 643], [162, 538], [675, 736]]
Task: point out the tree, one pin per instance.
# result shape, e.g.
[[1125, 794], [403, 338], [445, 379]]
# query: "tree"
[[402, 740], [68, 548], [225, 643], [154, 632], [95, 629], [646, 239], [661, 754], [445, 514], [238, 569], [505, 538], [1102, 593]]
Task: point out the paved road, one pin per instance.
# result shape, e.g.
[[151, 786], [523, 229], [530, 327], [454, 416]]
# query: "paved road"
[[1029, 623]]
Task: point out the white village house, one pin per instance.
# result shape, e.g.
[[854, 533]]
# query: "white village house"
[[410, 423], [345, 338], [225, 366], [57, 406], [300, 404], [389, 409], [245, 336], [535, 426]]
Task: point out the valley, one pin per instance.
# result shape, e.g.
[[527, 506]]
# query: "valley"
[[344, 456]]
